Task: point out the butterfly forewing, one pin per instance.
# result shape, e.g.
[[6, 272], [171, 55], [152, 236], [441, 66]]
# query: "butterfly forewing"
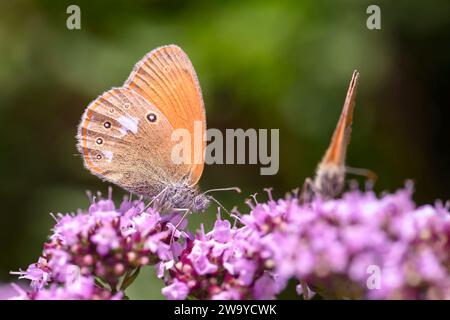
[[336, 152], [126, 140], [166, 78]]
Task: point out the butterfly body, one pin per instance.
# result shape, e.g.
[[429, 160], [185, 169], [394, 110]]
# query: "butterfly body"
[[329, 180], [125, 135]]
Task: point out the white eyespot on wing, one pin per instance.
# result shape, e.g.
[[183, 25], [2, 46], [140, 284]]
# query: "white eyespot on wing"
[[108, 155], [129, 123], [123, 132]]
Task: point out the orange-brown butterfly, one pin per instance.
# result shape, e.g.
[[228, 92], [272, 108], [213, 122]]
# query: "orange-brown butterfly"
[[330, 174], [125, 134]]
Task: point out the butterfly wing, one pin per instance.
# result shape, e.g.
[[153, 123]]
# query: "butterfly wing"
[[167, 79], [126, 140], [336, 152], [330, 175]]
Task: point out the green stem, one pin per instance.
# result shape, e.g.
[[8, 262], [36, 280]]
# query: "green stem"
[[129, 279]]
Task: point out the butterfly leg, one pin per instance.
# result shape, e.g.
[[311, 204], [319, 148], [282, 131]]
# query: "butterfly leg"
[[186, 212], [155, 198], [372, 176]]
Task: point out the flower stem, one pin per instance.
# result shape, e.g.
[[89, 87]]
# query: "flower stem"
[[129, 279]]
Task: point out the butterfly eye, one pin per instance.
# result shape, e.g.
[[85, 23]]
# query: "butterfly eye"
[[151, 117], [99, 157], [107, 124], [99, 141]]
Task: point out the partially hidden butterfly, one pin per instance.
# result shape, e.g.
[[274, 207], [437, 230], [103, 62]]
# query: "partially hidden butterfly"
[[330, 174], [125, 134]]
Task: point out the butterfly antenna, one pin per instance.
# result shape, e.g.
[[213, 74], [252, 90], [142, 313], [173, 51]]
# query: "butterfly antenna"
[[220, 205], [238, 190]]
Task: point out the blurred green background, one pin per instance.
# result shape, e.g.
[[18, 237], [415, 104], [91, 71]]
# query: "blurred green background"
[[261, 64]]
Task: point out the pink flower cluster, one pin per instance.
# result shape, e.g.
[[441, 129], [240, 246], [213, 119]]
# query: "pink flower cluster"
[[97, 254], [225, 263], [359, 246]]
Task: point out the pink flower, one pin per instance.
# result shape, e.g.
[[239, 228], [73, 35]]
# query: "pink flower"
[[176, 291]]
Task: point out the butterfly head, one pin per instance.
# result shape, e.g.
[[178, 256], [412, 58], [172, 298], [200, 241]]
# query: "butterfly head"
[[201, 202]]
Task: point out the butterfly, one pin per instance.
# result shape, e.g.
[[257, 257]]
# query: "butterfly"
[[124, 135], [331, 171]]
